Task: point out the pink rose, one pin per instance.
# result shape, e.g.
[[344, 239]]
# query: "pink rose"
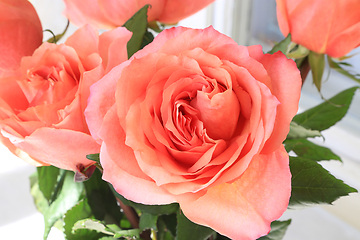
[[20, 33], [41, 108], [322, 26], [109, 14], [199, 120]]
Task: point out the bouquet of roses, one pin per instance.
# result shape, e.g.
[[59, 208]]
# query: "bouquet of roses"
[[185, 135]]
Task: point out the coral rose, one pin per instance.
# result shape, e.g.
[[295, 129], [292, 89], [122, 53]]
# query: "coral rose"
[[41, 108], [20, 33], [199, 120], [323, 26], [105, 14]]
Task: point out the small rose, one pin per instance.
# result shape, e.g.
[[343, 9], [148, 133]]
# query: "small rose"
[[322, 26], [105, 14], [41, 108], [195, 118]]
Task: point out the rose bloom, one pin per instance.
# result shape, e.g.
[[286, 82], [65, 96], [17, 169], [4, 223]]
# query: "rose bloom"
[[42, 105], [105, 14], [322, 26], [18, 21], [195, 118]]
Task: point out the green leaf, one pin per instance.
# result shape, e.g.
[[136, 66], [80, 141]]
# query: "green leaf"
[[297, 131], [187, 230], [148, 38], [278, 229], [138, 26], [311, 183], [281, 46], [68, 197], [94, 157], [132, 233], [337, 66], [91, 224], [328, 113], [152, 209], [166, 226], [101, 199], [317, 65], [48, 179], [80, 211], [40, 201], [306, 149], [170, 222], [148, 221], [108, 238]]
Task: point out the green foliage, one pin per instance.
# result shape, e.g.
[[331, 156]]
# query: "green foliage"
[[312, 184], [41, 203], [92, 224], [50, 181], [338, 67], [148, 221], [281, 46], [94, 157], [80, 211], [297, 131], [278, 229], [328, 113], [101, 199], [306, 149], [69, 195], [317, 65], [138, 26], [187, 230], [152, 209]]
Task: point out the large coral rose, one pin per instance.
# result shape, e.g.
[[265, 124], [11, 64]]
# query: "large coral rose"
[[323, 26], [109, 14], [195, 118], [20, 33], [41, 108]]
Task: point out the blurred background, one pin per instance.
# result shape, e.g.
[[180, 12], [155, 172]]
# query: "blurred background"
[[248, 22]]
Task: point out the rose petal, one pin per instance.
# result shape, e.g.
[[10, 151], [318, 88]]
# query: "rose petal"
[[19, 20], [280, 70], [247, 206], [174, 10], [80, 12], [120, 11], [113, 47], [101, 98], [60, 147]]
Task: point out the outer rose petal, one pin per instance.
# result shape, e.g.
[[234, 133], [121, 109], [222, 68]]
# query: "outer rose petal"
[[21, 154], [120, 11], [121, 169], [101, 99], [280, 70], [110, 14], [59, 147], [174, 10], [20, 33], [247, 206], [81, 12], [113, 47]]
